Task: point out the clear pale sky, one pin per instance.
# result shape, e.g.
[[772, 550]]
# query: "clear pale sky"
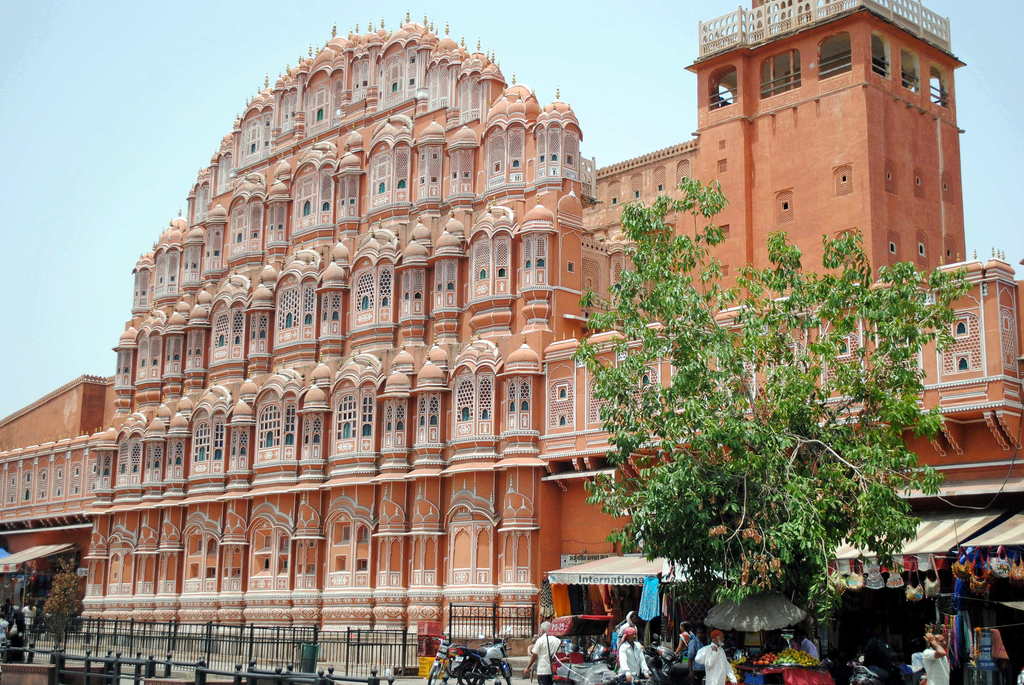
[[108, 109]]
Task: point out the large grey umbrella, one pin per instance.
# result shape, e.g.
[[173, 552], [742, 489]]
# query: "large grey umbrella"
[[765, 611]]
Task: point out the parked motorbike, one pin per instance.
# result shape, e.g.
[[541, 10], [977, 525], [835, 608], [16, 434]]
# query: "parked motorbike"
[[478, 666], [660, 659], [440, 669], [862, 675]]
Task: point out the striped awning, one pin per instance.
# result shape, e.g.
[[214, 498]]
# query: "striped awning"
[[935, 535], [1009, 532], [629, 570], [11, 562]]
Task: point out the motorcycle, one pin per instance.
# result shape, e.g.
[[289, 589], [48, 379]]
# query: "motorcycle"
[[862, 675], [477, 666], [440, 670], [660, 659]]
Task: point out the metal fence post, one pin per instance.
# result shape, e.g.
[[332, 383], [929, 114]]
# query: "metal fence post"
[[87, 666], [209, 638], [200, 672], [131, 635], [167, 666], [373, 679], [494, 619], [348, 645], [252, 639]]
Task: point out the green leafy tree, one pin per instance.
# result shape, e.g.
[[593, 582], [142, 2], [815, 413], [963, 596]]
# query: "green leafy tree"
[[781, 430], [64, 602]]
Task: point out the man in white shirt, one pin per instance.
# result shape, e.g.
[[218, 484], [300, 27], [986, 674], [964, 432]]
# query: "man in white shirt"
[[936, 664], [632, 662], [543, 653], [716, 664]]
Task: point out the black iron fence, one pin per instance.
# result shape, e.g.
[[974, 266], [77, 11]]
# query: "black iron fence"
[[113, 669], [472, 621], [352, 652]]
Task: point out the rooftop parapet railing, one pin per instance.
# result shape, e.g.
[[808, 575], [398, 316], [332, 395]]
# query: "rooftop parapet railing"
[[746, 27]]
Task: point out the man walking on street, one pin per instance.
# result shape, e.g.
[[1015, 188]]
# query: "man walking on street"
[[543, 655]]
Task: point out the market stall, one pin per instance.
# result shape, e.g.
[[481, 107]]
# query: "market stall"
[[753, 617], [25, 575]]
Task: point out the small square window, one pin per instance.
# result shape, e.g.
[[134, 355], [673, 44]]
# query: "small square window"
[[723, 165], [661, 187], [920, 249], [615, 200], [892, 247], [636, 194], [721, 144], [571, 267], [785, 206]]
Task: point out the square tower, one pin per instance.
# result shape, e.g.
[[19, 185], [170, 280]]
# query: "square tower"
[[821, 117]]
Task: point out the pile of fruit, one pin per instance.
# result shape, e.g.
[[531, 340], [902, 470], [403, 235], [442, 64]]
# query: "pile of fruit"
[[766, 659], [796, 657]]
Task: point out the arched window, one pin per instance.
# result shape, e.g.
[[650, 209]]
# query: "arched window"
[[219, 339], [305, 188], [937, 86], [214, 259], [201, 441], [445, 284], [312, 430], [481, 251], [723, 89], [428, 411], [225, 169], [780, 73], [412, 292], [401, 173], [517, 399], [910, 71], [834, 56], [288, 314], [385, 282], [535, 250], [269, 431], [345, 422], [880, 59], [202, 203], [239, 449], [495, 159], [254, 236], [381, 168], [366, 415], [474, 402], [141, 299], [394, 424], [561, 404], [516, 145]]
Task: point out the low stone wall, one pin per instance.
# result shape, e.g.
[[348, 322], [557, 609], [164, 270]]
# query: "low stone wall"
[[27, 674]]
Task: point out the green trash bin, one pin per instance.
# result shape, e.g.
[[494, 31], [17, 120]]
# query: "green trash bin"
[[309, 652]]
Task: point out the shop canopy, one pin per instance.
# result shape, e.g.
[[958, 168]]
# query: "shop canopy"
[[766, 611], [1009, 532], [935, 535], [11, 562], [608, 571]]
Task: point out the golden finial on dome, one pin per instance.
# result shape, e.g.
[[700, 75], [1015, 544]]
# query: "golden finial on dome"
[[558, 93], [408, 17], [266, 80], [426, 22], [382, 22], [462, 42], [446, 28], [309, 50], [357, 28], [478, 45], [334, 30], [513, 78], [369, 27], [179, 211]]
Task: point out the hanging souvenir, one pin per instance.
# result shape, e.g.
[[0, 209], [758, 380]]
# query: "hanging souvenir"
[[925, 562], [932, 587], [854, 581], [914, 592], [962, 568], [1017, 572], [838, 581], [895, 579], [1000, 564]]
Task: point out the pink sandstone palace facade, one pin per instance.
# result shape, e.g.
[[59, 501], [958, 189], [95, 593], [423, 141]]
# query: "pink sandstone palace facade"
[[346, 394]]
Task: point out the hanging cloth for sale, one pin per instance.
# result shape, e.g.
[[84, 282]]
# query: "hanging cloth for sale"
[[560, 599], [649, 608]]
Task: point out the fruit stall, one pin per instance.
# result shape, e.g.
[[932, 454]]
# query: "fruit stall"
[[790, 667]]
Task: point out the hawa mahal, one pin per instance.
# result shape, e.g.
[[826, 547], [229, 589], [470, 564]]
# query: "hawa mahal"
[[345, 394]]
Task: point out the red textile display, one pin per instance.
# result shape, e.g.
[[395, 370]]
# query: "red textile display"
[[804, 676]]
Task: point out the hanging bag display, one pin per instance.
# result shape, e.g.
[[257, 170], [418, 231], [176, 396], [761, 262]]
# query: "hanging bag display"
[[980, 574], [1000, 564], [895, 579], [854, 581], [914, 592], [1017, 572], [932, 587], [962, 568]]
